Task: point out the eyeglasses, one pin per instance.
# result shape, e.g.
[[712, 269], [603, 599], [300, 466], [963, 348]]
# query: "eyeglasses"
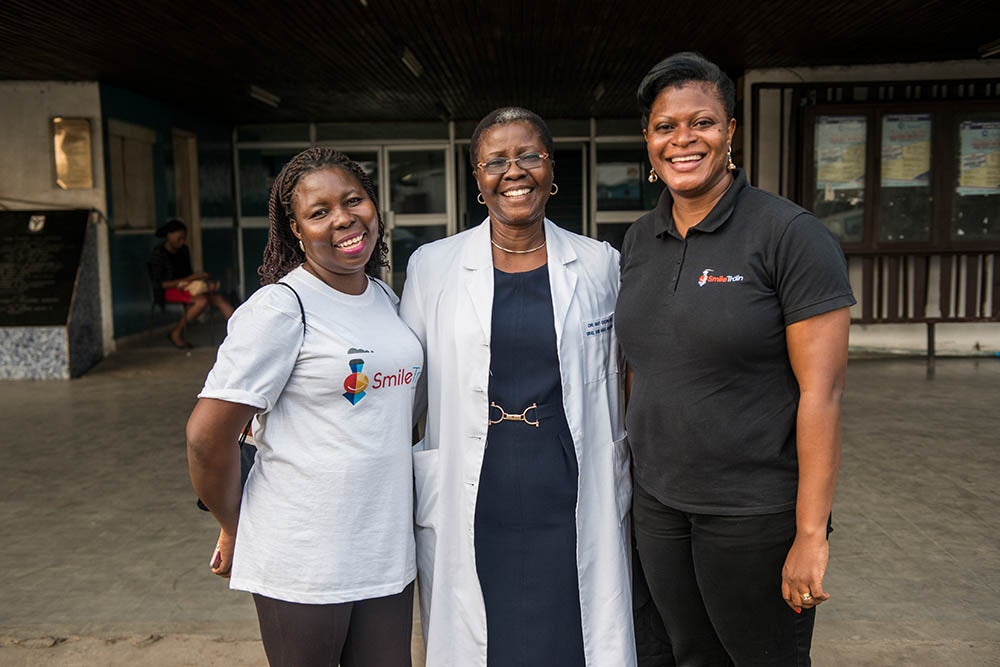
[[499, 165]]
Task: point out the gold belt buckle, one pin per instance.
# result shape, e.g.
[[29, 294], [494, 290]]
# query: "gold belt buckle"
[[506, 416]]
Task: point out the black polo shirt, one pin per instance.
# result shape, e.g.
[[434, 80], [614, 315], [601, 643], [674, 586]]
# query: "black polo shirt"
[[711, 418]]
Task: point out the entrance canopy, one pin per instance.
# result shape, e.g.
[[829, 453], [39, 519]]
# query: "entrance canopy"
[[396, 60]]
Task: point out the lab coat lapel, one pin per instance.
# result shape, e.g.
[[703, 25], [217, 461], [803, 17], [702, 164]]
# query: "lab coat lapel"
[[562, 278], [477, 262]]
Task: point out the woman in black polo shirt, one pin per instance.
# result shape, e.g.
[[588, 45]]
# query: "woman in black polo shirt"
[[734, 315]]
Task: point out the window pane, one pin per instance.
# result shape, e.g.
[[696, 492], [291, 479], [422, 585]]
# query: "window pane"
[[626, 127], [566, 208], [258, 169], [839, 167], [622, 183], [215, 178], [404, 241], [976, 210], [905, 196], [417, 181]]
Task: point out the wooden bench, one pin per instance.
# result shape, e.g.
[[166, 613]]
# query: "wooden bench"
[[897, 288]]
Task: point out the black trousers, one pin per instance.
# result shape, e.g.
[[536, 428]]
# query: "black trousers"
[[716, 581], [366, 633]]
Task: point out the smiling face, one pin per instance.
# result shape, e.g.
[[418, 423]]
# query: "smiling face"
[[338, 225], [516, 198], [688, 138]]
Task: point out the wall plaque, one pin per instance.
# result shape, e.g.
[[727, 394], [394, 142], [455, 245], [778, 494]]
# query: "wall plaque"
[[39, 255], [72, 151]]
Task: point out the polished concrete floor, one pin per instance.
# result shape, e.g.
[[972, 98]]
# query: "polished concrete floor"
[[104, 556]]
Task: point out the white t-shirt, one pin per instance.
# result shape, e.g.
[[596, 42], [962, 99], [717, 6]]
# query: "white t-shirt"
[[327, 512]]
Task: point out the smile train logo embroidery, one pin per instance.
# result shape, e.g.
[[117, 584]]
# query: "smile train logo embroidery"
[[355, 383], [706, 277]]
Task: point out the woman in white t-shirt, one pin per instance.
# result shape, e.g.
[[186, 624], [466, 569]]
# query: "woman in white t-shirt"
[[322, 534]]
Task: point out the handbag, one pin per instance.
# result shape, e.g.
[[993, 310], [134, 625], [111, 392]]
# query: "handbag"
[[248, 451], [196, 287]]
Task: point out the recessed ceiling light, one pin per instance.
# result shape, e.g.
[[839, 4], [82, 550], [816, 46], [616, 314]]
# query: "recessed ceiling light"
[[265, 96], [990, 49], [411, 62]]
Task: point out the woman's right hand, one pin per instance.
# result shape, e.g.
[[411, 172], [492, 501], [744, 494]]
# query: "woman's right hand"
[[222, 557]]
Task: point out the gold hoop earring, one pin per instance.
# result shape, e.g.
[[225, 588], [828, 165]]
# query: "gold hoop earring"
[[652, 178], [480, 199], [729, 159], [302, 247], [554, 191]]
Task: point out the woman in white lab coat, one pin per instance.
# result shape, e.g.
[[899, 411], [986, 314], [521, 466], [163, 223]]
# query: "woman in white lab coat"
[[522, 478]]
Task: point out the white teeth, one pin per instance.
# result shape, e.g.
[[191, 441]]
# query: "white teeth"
[[686, 158], [517, 193], [351, 243]]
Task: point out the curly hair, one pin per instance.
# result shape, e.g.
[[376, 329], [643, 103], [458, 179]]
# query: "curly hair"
[[282, 253]]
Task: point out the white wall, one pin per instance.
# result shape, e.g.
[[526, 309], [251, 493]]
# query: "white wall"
[[27, 170]]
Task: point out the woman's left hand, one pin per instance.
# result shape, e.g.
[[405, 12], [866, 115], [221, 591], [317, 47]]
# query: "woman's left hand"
[[802, 574], [222, 557]]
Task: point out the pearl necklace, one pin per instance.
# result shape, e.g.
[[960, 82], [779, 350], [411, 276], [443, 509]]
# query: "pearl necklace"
[[517, 252]]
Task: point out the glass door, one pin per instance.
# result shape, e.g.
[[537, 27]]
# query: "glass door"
[[621, 191], [418, 201]]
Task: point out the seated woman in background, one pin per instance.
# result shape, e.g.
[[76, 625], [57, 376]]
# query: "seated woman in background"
[[171, 272]]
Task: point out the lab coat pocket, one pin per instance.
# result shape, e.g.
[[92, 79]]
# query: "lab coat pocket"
[[425, 478], [623, 477], [599, 343]]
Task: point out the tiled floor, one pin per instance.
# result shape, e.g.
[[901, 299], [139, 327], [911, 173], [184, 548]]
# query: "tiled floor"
[[101, 539]]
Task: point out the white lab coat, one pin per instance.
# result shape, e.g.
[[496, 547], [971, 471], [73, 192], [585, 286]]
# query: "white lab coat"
[[448, 302]]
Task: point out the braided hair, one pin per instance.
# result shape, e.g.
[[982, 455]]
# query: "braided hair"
[[282, 253]]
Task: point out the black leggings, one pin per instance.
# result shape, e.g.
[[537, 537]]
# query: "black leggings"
[[366, 633], [716, 581]]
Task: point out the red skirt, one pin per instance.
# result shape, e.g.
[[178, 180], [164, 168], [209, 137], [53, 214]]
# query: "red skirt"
[[174, 295]]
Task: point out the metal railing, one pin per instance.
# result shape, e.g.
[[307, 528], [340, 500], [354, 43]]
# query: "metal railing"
[[927, 287]]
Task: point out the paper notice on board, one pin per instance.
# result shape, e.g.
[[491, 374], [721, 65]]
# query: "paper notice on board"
[[979, 159], [840, 152], [906, 150]]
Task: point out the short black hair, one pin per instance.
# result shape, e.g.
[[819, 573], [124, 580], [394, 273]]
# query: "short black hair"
[[679, 69], [506, 116], [170, 226]]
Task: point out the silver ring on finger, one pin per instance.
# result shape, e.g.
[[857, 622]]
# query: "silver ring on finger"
[[806, 597]]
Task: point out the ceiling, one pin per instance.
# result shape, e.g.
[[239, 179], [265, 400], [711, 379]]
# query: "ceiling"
[[342, 60]]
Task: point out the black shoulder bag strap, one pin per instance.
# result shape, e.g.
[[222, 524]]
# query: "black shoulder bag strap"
[[302, 309], [379, 283]]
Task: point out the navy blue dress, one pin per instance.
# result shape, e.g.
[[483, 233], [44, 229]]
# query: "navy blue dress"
[[526, 506]]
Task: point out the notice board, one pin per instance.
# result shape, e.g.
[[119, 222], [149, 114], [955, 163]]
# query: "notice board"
[[40, 254]]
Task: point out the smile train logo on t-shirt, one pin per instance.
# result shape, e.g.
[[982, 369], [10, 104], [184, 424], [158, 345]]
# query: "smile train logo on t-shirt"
[[705, 278], [355, 383]]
